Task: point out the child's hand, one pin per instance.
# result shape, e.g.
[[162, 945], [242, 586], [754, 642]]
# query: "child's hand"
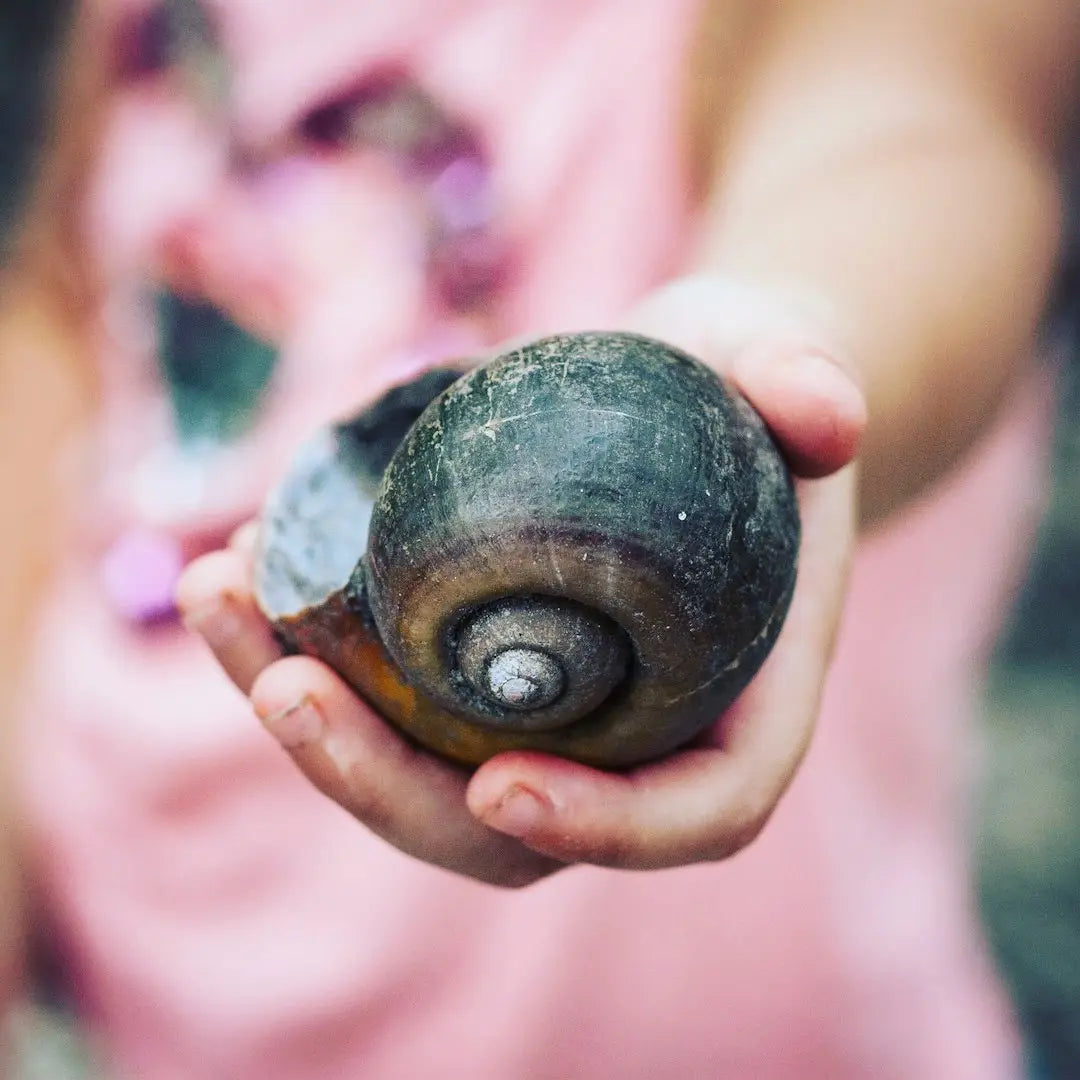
[[521, 816]]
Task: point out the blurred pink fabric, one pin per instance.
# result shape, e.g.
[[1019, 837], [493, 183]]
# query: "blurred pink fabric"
[[220, 918]]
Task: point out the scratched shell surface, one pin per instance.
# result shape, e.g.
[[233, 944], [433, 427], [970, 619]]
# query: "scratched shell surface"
[[611, 470]]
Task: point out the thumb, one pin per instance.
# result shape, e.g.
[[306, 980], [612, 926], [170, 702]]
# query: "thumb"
[[780, 359]]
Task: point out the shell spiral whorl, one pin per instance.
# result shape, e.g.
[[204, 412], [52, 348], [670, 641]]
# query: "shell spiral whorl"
[[585, 547], [549, 662]]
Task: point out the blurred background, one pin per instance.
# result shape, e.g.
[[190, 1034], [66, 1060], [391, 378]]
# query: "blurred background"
[[1028, 841], [1029, 817]]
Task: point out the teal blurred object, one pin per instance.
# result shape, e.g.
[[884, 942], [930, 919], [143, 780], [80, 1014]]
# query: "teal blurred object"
[[216, 372], [48, 1043]]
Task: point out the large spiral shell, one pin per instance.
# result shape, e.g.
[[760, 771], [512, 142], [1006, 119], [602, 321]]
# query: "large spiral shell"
[[585, 547]]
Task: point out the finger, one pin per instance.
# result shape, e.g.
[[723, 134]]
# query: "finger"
[[778, 356], [812, 405], [215, 599], [705, 803], [700, 805], [408, 797], [244, 539]]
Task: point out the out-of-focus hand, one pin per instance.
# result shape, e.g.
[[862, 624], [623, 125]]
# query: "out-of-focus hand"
[[522, 816]]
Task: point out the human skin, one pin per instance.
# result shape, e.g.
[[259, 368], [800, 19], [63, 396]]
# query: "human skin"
[[863, 136], [922, 138], [46, 395]]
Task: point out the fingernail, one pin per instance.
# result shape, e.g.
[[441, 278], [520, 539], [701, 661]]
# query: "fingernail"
[[821, 375], [519, 812], [299, 725]]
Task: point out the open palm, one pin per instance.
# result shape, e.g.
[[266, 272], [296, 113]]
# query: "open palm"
[[521, 816]]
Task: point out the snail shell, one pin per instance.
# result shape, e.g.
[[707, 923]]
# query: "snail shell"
[[585, 547]]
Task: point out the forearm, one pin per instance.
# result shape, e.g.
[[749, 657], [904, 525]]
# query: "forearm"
[[899, 191]]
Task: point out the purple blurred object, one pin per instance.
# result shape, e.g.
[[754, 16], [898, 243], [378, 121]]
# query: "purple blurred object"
[[388, 111], [146, 43], [330, 125], [139, 574], [468, 268], [437, 146], [461, 197]]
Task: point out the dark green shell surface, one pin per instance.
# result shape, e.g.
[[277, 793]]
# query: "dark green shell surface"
[[611, 470]]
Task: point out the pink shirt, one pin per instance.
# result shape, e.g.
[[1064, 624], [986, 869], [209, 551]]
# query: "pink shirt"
[[220, 918]]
